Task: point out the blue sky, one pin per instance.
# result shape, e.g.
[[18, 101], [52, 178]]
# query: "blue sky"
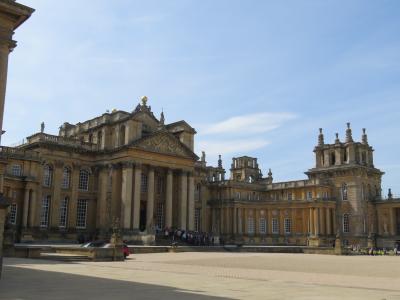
[[254, 78]]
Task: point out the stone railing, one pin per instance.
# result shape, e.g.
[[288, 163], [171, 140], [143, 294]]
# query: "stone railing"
[[10, 152], [60, 140]]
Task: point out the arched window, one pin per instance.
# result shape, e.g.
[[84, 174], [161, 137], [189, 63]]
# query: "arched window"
[[122, 135], [47, 175], [345, 156], [66, 179], [84, 180], [346, 223], [99, 139], [333, 158], [344, 191]]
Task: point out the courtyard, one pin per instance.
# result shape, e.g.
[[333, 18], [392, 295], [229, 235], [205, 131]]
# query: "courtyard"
[[205, 276]]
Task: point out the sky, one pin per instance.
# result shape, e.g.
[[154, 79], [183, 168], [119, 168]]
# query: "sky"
[[254, 78]]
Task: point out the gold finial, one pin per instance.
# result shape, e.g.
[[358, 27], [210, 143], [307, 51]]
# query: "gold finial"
[[144, 100]]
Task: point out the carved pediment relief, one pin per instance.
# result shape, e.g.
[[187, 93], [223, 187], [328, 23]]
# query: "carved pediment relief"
[[166, 144]]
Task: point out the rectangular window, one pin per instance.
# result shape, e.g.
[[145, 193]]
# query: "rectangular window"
[[143, 184], [66, 178], [16, 170], [83, 180], [290, 196], [263, 225], [160, 185], [13, 213], [160, 215], [63, 213], [44, 214], [197, 218], [81, 214], [325, 195], [288, 225], [346, 223], [309, 195], [250, 225], [275, 226]]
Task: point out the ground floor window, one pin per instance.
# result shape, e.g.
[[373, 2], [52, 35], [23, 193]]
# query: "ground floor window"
[[44, 213], [275, 226], [160, 215], [13, 214], [81, 213], [346, 223], [250, 225], [288, 225], [263, 226], [197, 218], [63, 213]]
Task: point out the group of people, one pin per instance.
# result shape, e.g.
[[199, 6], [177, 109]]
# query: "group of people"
[[190, 237]]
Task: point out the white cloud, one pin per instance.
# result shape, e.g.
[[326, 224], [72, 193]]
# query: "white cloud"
[[237, 146], [249, 124]]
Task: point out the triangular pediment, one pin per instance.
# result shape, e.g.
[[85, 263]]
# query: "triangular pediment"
[[165, 143]]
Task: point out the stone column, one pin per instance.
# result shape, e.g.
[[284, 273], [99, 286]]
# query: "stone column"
[[150, 200], [191, 202], [55, 200], [26, 208], [136, 197], [74, 197], [32, 209], [321, 221], [168, 199], [328, 222], [234, 216], [316, 221], [126, 195], [183, 200], [101, 216], [312, 228]]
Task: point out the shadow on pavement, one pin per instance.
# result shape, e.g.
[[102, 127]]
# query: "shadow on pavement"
[[20, 283]]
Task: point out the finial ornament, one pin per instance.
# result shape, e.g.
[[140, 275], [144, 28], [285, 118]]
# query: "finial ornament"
[[219, 161], [42, 127], [349, 136], [144, 100], [162, 118], [364, 137], [203, 156], [320, 138], [337, 140], [390, 195]]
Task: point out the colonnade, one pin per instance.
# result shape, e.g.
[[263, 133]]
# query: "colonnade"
[[131, 197], [312, 221]]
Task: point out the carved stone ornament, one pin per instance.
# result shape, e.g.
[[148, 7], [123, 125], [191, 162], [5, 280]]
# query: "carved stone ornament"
[[163, 143]]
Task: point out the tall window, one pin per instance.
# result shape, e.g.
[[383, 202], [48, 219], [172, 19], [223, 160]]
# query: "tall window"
[[83, 180], [122, 135], [160, 185], [197, 218], [63, 213], [197, 192], [66, 178], [275, 226], [290, 196], [346, 223], [44, 213], [81, 213], [16, 170], [309, 195], [263, 225], [143, 184], [160, 215], [250, 225], [99, 139], [47, 175], [344, 191], [288, 225], [238, 195], [13, 213]]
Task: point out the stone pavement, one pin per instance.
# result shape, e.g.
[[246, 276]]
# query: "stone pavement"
[[206, 276]]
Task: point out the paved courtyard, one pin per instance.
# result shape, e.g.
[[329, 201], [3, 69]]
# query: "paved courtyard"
[[206, 276]]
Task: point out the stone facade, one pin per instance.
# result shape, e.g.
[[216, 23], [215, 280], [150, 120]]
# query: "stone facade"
[[134, 168], [12, 15]]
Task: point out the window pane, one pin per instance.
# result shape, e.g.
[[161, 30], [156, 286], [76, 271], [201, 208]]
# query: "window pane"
[[81, 213], [44, 214], [63, 213]]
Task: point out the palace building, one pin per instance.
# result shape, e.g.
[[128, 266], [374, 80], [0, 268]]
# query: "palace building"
[[134, 171]]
